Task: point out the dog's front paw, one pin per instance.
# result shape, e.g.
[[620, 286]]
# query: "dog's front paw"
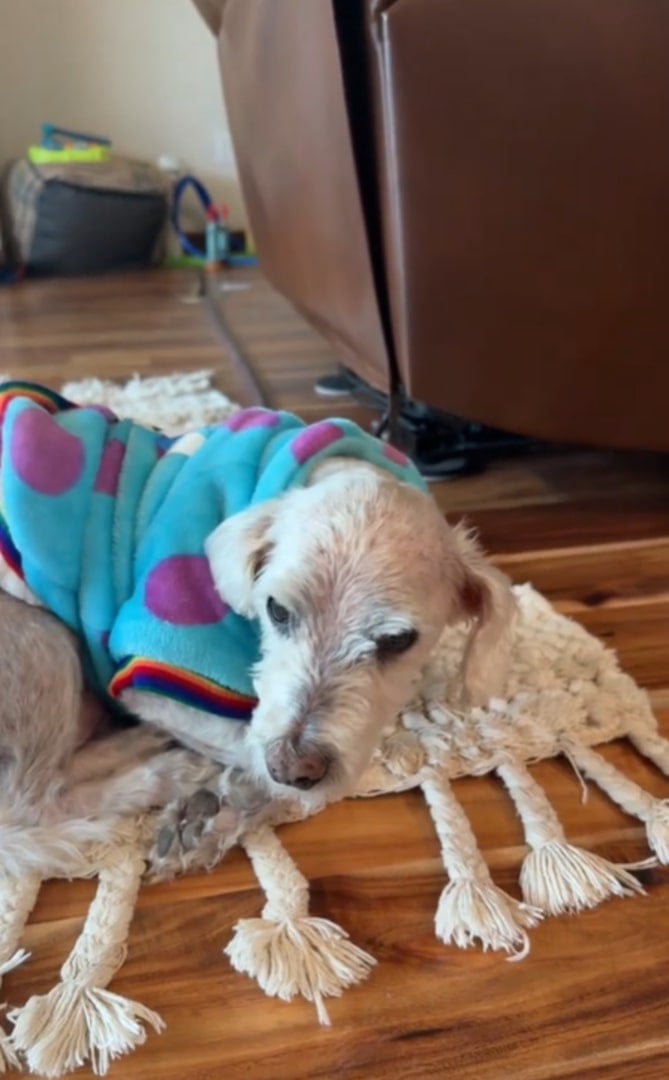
[[193, 834]]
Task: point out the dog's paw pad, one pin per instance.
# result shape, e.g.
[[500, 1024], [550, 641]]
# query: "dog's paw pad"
[[202, 805], [165, 837], [193, 834]]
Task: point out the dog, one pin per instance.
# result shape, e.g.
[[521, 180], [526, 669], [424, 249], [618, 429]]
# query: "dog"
[[345, 580]]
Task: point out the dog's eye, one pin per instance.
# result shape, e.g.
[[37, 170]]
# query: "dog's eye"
[[395, 644], [279, 615]]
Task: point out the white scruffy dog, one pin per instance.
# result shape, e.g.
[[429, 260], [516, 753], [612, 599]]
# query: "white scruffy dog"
[[352, 578]]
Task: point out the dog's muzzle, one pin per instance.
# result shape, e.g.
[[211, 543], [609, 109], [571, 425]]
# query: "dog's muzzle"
[[295, 763]]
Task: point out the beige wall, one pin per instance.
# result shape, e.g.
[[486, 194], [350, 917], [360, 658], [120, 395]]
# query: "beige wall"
[[21, 75], [143, 72]]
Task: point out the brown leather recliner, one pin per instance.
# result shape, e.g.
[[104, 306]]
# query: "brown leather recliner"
[[470, 196]]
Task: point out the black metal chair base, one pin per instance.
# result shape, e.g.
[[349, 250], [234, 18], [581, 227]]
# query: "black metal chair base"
[[442, 445]]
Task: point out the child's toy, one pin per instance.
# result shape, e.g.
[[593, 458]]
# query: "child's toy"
[[217, 234], [59, 145], [208, 257]]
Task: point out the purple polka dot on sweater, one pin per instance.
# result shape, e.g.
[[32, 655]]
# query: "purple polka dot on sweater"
[[44, 456], [395, 455], [106, 482], [314, 439], [252, 418], [180, 590]]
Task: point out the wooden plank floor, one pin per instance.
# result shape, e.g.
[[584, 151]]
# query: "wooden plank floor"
[[589, 529]]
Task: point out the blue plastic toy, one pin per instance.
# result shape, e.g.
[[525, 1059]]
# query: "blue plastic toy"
[[217, 247]]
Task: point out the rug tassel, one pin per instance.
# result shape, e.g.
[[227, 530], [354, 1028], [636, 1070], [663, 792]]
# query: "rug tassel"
[[629, 796], [557, 876], [287, 951], [9, 1059], [471, 911], [17, 899], [80, 1020], [563, 879], [72, 1024], [472, 908]]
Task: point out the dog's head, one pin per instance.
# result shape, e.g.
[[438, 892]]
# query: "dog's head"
[[352, 579]]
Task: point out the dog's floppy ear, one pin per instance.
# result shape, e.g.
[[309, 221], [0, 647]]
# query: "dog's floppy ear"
[[484, 595], [237, 551]]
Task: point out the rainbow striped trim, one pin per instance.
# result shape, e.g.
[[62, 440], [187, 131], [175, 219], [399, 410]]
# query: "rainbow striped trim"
[[9, 553], [40, 395], [154, 677]]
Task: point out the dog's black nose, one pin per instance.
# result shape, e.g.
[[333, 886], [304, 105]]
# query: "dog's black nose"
[[300, 767], [304, 783]]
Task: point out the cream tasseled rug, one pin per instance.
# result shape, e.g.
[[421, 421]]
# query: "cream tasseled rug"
[[566, 695]]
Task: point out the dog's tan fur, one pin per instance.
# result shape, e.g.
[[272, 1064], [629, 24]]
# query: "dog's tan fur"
[[355, 557]]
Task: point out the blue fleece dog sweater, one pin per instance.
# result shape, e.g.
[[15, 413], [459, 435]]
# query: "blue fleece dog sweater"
[[106, 520]]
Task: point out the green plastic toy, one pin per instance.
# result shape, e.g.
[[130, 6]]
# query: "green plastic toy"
[[59, 146]]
